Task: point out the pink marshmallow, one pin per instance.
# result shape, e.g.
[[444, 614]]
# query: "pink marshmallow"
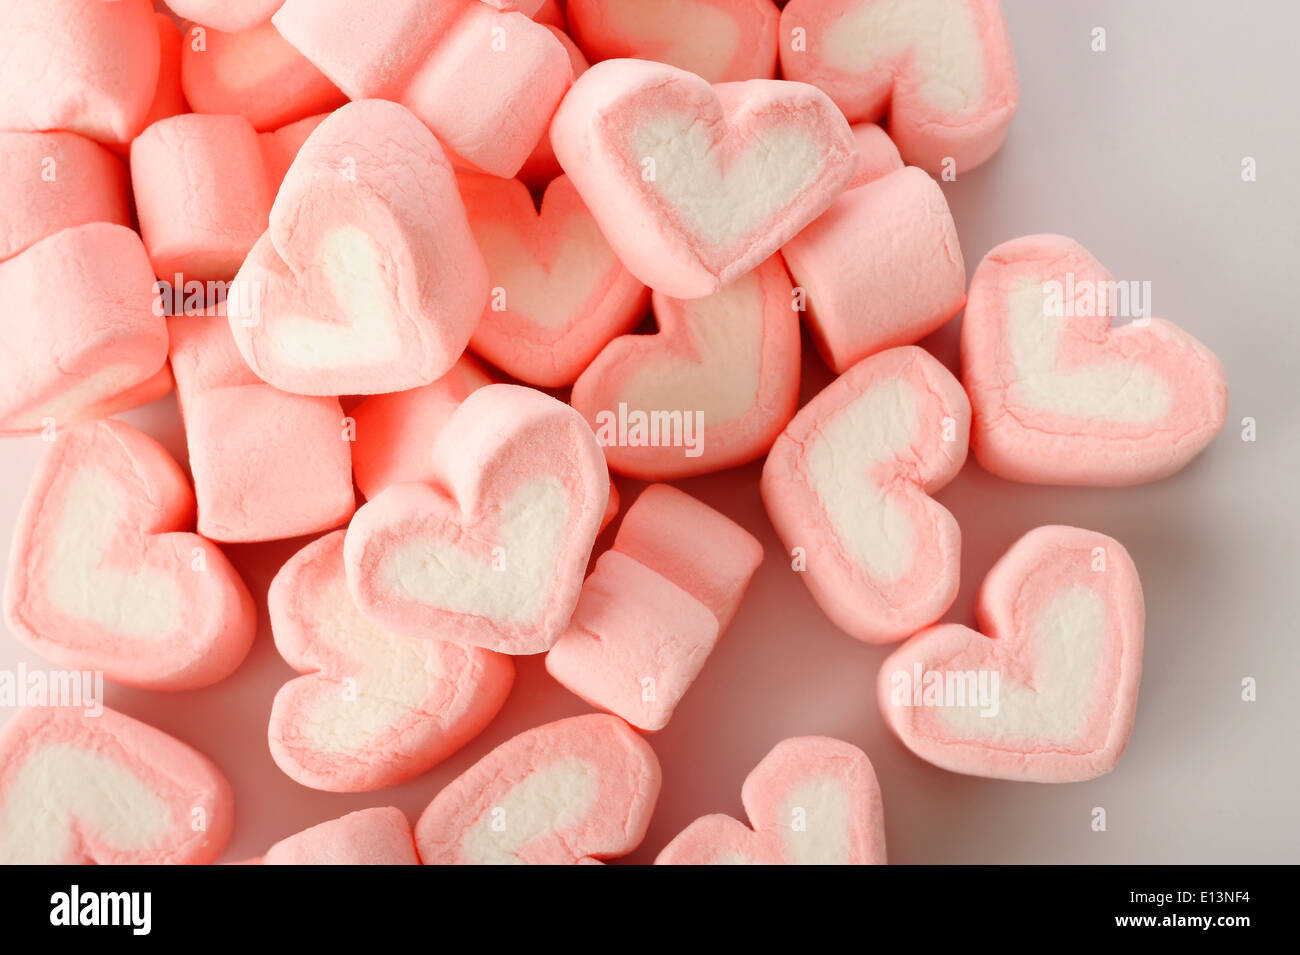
[[942, 70], [542, 166], [280, 148], [244, 436], [99, 788], [370, 52], [882, 267], [492, 552], [490, 87], [848, 488], [255, 74], [82, 67], [877, 154], [727, 364], [1062, 397], [485, 81], [229, 16], [550, 13], [368, 280], [574, 791], [104, 574], [642, 631], [98, 336], [559, 293], [375, 709], [380, 836], [720, 40], [705, 553], [635, 644], [168, 96], [811, 801], [201, 194], [695, 185], [1047, 690], [53, 181], [395, 432]]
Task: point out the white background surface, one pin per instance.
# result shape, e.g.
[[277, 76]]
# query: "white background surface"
[[1136, 152]]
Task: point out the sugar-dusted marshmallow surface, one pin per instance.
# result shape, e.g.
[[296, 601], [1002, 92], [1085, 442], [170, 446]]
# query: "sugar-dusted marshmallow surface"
[[702, 551], [695, 185], [380, 836], [395, 432], [253, 73], [941, 71], [375, 709], [492, 552], [721, 40], [485, 81], [711, 390], [848, 486], [266, 464], [490, 86], [87, 68], [104, 574], [369, 51], [811, 801], [1063, 395], [1047, 689], [559, 293], [80, 327], [103, 789], [573, 791], [226, 15], [642, 631], [635, 644], [53, 181], [881, 267], [368, 279], [201, 194]]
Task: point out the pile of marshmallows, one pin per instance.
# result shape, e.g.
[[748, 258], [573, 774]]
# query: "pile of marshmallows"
[[337, 199]]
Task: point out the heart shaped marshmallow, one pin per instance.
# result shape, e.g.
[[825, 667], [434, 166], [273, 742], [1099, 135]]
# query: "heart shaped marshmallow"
[[375, 709], [695, 185], [811, 801], [726, 364], [942, 70], [1047, 690], [848, 486], [368, 279], [103, 576], [104, 789], [559, 293], [493, 552], [1059, 395], [573, 791]]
